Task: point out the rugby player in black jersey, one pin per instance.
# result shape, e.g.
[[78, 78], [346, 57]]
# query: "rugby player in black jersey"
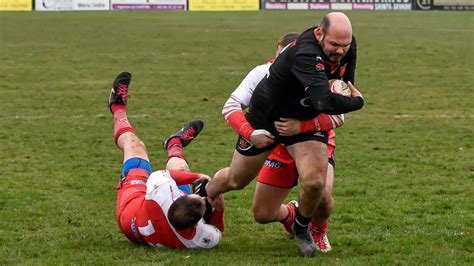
[[296, 87]]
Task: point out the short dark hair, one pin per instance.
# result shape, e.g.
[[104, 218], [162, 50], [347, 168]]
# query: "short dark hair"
[[287, 38], [185, 212], [324, 24]]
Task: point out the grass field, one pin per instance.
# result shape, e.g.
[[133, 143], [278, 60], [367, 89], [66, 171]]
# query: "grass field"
[[405, 162]]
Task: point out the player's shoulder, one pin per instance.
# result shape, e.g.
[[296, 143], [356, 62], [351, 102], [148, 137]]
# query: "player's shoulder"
[[306, 44], [260, 70], [265, 65]]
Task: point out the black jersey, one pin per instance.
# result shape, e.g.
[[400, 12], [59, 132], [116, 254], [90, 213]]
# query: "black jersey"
[[297, 85]]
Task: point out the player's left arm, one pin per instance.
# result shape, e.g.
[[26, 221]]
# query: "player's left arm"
[[185, 178]]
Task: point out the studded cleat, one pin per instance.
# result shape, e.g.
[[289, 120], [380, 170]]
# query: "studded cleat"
[[119, 92], [305, 241], [186, 134], [320, 237]]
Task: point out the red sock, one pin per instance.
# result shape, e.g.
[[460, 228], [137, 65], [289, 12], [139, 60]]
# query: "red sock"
[[116, 107], [290, 218], [121, 124], [175, 149]]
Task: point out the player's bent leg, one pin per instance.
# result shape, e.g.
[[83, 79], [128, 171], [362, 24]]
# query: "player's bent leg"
[[267, 203], [175, 163], [241, 172]]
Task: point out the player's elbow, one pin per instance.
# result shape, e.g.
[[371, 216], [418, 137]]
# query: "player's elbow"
[[322, 106]]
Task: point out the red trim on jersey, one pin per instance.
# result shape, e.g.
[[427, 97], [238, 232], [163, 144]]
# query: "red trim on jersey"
[[183, 178], [188, 233], [239, 123]]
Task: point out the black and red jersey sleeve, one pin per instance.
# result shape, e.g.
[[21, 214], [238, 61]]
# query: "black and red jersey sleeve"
[[309, 69]]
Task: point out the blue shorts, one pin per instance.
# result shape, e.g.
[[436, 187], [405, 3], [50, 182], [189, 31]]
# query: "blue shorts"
[[139, 163]]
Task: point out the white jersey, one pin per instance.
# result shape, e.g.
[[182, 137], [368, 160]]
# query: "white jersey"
[[162, 189], [240, 98]]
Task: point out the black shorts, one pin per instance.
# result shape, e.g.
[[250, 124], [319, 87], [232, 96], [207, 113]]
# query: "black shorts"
[[246, 148]]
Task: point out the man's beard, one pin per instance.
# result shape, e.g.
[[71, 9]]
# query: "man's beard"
[[332, 58]]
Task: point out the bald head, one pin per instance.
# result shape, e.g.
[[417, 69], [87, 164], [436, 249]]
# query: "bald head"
[[337, 23]]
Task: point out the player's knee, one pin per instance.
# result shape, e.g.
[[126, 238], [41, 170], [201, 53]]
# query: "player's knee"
[[133, 142], [314, 182], [233, 185], [138, 144], [262, 216]]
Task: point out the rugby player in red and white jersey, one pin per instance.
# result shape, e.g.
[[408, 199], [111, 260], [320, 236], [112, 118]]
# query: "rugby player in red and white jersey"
[[279, 174], [151, 209]]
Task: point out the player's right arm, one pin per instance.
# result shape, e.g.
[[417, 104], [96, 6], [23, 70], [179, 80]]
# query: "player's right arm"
[[322, 122]]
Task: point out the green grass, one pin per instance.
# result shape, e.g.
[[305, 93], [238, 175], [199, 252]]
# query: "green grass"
[[405, 162]]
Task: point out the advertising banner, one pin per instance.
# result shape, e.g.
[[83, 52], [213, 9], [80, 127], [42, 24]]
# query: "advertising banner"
[[341, 4], [224, 5], [148, 5], [16, 5], [70, 5], [461, 5]]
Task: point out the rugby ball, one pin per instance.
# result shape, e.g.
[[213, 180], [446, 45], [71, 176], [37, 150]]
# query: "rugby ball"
[[340, 87]]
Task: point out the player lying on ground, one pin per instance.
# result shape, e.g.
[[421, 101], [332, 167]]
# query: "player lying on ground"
[[151, 209]]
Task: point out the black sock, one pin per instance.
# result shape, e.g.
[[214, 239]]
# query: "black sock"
[[301, 222]]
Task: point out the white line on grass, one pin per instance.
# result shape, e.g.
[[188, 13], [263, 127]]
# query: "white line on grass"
[[433, 116], [53, 117]]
